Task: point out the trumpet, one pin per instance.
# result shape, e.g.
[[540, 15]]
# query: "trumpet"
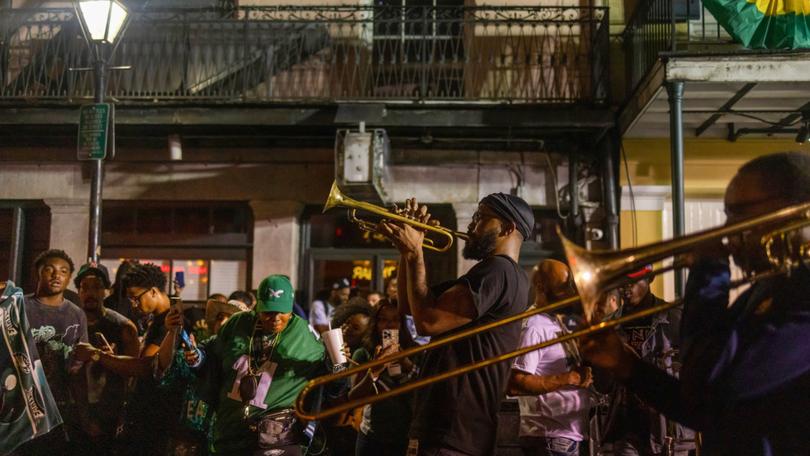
[[595, 273], [338, 198]]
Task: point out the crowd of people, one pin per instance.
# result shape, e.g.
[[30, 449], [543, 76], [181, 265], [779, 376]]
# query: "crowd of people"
[[131, 370]]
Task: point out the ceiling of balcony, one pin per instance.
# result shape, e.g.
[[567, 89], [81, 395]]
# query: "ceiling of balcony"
[[731, 96]]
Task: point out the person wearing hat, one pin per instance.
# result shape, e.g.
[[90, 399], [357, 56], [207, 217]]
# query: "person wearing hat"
[[651, 336], [111, 332], [217, 313], [145, 286], [636, 428], [321, 311], [264, 357], [459, 416]]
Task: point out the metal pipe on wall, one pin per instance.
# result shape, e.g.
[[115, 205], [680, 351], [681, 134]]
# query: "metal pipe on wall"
[[610, 192], [675, 93], [97, 184], [573, 190]]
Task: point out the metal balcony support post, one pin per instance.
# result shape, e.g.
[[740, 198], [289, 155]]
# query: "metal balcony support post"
[[673, 30], [675, 92]]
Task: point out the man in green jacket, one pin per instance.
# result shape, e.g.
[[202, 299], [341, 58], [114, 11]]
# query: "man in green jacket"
[[258, 363]]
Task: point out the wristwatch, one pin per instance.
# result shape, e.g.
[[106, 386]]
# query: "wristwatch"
[[96, 356]]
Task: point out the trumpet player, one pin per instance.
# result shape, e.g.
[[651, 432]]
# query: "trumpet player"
[[745, 380], [459, 416]]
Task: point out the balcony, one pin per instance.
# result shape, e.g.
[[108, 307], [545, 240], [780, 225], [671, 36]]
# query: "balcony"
[[669, 26], [729, 91], [317, 54]]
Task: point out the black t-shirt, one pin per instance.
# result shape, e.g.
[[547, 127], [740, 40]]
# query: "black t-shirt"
[[156, 330], [461, 413], [105, 389], [112, 325], [151, 404]]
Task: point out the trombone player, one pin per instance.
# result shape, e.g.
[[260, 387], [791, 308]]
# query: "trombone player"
[[459, 416], [745, 380]]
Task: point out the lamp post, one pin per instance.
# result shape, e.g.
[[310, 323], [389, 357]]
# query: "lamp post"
[[102, 21]]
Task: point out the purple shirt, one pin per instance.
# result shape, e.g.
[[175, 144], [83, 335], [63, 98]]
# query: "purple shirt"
[[560, 413]]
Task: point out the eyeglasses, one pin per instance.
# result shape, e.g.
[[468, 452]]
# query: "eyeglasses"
[[136, 300]]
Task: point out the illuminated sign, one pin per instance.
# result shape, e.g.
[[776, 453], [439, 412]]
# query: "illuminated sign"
[[365, 273]]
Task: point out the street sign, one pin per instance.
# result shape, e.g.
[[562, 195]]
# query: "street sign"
[[94, 121]]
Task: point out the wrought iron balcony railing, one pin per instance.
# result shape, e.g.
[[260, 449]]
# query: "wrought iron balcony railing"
[[524, 54], [668, 26]]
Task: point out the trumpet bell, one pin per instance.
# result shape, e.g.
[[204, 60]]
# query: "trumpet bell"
[[336, 198]]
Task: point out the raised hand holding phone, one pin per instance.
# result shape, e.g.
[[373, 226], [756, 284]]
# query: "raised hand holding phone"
[[390, 345], [179, 282]]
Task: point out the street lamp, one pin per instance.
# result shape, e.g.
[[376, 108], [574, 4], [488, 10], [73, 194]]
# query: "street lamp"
[[102, 21]]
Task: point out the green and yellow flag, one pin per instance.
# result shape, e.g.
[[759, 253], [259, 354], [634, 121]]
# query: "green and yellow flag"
[[764, 24]]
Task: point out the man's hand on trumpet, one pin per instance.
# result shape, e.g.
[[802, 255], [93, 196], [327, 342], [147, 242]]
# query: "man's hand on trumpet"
[[407, 239]]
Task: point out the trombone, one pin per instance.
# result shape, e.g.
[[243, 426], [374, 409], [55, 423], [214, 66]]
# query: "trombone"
[[594, 273], [338, 198]]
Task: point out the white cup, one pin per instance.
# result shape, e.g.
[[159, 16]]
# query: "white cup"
[[333, 339]]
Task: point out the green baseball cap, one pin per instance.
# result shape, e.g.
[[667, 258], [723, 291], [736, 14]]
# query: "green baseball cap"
[[275, 294]]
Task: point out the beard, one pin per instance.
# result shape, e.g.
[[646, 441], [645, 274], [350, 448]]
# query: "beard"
[[478, 248]]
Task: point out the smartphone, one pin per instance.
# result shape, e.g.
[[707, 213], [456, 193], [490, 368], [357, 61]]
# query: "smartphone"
[[186, 339], [103, 340], [391, 337], [180, 279]]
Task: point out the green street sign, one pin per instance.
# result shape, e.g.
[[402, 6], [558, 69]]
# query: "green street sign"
[[94, 121]]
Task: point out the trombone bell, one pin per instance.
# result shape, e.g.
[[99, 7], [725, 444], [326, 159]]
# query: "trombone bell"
[[595, 272]]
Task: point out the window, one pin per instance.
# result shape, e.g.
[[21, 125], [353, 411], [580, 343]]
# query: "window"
[[202, 277], [160, 217], [418, 46], [209, 243]]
